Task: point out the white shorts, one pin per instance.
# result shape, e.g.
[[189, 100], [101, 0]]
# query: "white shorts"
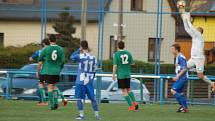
[[198, 63]]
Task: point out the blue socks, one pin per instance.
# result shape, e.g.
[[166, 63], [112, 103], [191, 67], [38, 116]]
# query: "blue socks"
[[181, 99], [94, 105], [184, 101], [177, 96], [80, 105]]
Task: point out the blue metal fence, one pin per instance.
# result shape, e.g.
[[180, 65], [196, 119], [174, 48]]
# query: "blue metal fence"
[[161, 80]]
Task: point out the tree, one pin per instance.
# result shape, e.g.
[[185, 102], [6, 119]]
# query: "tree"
[[64, 25]]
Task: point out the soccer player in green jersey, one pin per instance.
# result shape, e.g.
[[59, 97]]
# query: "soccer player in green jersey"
[[41, 86], [122, 62], [42, 92], [50, 64]]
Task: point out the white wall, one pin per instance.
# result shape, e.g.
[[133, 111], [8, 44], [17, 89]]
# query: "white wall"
[[20, 33], [139, 28]]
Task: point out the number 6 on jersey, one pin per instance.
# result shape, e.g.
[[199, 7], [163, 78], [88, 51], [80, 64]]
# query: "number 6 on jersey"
[[54, 55]]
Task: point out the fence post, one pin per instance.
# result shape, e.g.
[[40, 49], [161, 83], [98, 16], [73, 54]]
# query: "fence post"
[[141, 90], [9, 86], [161, 91], [192, 91], [98, 89], [166, 89]]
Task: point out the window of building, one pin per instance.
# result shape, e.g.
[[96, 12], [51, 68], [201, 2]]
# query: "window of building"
[[136, 5], [1, 39], [152, 48], [113, 46]]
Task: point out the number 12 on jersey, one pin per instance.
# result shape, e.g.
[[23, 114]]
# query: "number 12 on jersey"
[[124, 58]]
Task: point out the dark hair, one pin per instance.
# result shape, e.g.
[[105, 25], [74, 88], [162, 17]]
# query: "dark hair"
[[201, 29], [52, 38], [177, 47], [84, 44], [45, 41], [121, 45]]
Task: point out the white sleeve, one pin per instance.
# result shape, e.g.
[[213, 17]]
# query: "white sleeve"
[[189, 28], [95, 66]]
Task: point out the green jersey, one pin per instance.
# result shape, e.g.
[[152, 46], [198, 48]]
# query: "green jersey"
[[123, 60], [53, 59]]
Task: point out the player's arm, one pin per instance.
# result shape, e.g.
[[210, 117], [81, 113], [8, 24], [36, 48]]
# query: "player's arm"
[[76, 55], [114, 67], [189, 28], [34, 56], [41, 59], [39, 67], [114, 72], [183, 65], [95, 65], [131, 59], [63, 60]]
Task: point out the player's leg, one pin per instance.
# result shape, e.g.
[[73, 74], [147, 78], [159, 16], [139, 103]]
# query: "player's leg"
[[91, 96], [200, 73], [59, 93], [128, 99], [42, 91], [80, 96], [55, 93], [207, 80], [52, 80], [122, 85], [133, 99], [190, 64], [131, 94], [38, 94], [42, 95], [177, 91], [51, 96], [173, 92]]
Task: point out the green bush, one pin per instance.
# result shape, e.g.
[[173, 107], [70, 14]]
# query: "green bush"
[[15, 57], [141, 67], [147, 68]]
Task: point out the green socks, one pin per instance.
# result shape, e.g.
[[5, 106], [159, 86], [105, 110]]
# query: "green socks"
[[60, 93], [128, 99], [131, 95], [55, 95], [51, 99], [43, 95]]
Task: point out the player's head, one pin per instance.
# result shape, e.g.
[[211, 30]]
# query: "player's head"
[[52, 38], [200, 29], [175, 48], [121, 45], [181, 4], [45, 42], [84, 45]]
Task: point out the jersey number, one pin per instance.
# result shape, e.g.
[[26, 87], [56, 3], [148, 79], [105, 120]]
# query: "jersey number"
[[54, 55], [88, 64], [124, 59]]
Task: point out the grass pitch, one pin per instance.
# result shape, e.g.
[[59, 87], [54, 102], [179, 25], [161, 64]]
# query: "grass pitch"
[[28, 111]]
